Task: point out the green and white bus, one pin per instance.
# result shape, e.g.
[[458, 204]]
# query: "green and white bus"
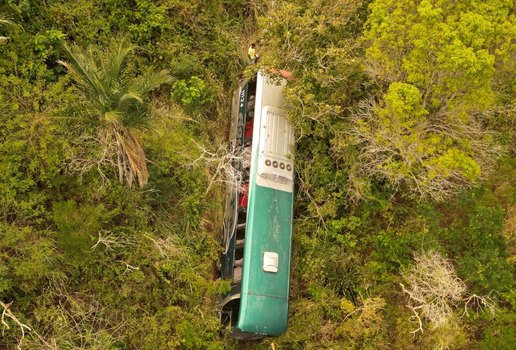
[[257, 231]]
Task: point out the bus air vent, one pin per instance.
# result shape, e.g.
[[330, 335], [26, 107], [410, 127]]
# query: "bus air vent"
[[276, 161]]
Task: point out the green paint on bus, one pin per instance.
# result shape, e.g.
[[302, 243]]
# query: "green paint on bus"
[[264, 295]]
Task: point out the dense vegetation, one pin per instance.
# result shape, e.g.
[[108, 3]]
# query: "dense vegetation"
[[113, 119]]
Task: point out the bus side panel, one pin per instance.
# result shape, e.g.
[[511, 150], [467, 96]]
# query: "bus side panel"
[[264, 315], [264, 295]]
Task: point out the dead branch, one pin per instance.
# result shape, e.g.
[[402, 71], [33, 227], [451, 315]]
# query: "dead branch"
[[479, 303], [167, 248], [224, 165], [8, 313], [435, 292], [416, 318], [82, 318], [129, 268], [111, 241]]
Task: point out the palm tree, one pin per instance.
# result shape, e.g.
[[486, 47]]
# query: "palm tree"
[[116, 105]]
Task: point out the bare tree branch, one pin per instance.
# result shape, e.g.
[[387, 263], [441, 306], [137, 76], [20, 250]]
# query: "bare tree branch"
[[111, 241], [8, 313], [435, 292]]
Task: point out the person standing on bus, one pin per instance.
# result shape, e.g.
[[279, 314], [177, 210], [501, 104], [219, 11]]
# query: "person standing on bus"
[[251, 54]]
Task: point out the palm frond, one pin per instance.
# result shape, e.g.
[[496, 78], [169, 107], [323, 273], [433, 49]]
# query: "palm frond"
[[114, 62], [6, 22], [113, 116], [133, 158], [83, 68], [145, 83], [131, 96], [140, 118]]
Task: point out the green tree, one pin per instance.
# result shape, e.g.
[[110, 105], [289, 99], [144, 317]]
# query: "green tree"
[[402, 144], [439, 61], [115, 106]]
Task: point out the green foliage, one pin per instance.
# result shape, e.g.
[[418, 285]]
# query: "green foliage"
[[31, 155], [500, 334], [446, 49], [335, 323], [476, 241], [26, 259], [401, 145], [366, 331], [185, 66], [90, 263], [313, 41], [48, 44], [447, 53], [193, 94], [78, 228]]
